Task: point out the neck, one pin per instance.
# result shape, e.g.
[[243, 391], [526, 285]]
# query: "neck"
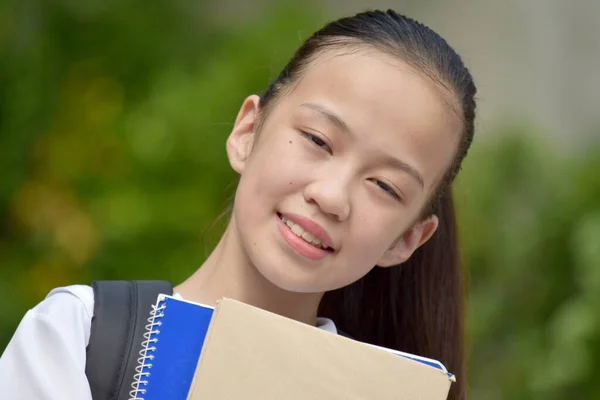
[[228, 272]]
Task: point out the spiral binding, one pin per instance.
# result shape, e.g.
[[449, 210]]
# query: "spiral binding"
[[145, 359]]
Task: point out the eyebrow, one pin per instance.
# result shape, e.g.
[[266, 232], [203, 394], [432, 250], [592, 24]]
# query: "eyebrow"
[[406, 168], [329, 116], [339, 123]]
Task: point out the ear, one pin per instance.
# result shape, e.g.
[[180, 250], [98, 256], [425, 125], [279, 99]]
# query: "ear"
[[241, 139], [410, 241]]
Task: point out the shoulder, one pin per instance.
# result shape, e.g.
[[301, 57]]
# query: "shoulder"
[[71, 307], [75, 296], [46, 356]]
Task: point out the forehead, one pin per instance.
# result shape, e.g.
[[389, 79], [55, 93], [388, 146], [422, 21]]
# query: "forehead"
[[386, 102]]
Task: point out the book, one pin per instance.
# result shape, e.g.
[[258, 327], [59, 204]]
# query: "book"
[[174, 338], [193, 351]]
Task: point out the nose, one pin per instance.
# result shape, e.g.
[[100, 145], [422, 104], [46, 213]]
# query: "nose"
[[331, 196]]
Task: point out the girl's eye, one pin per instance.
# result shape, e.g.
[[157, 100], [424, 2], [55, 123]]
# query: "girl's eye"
[[317, 141], [387, 188]]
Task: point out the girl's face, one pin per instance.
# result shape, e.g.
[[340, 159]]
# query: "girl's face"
[[346, 160]]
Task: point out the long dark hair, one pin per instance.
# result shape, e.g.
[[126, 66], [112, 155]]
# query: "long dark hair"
[[417, 306]]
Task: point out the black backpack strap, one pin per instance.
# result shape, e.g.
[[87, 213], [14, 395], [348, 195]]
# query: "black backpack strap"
[[121, 312]]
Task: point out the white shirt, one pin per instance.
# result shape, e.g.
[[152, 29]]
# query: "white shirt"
[[45, 360]]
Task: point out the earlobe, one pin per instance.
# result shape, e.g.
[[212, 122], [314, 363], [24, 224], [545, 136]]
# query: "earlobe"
[[241, 139], [410, 241]]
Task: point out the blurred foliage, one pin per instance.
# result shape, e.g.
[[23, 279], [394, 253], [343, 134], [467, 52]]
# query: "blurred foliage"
[[530, 228], [113, 120]]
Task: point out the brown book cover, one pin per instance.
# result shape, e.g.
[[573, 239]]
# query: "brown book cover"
[[253, 354]]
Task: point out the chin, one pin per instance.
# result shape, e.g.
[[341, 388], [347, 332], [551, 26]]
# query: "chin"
[[296, 278], [291, 278]]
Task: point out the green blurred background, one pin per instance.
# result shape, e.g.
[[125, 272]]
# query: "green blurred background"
[[113, 120]]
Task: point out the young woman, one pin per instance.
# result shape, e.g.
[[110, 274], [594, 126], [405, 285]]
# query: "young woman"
[[343, 215]]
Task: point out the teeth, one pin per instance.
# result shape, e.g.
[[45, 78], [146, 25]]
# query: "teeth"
[[309, 238], [298, 231]]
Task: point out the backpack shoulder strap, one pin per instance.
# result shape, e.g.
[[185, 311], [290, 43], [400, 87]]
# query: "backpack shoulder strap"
[[121, 312]]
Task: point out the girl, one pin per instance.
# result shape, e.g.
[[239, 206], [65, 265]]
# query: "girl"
[[343, 215]]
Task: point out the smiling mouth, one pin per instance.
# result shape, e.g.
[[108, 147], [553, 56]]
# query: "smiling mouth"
[[301, 233]]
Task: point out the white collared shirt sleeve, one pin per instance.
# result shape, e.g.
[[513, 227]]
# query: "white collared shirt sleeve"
[[45, 359]]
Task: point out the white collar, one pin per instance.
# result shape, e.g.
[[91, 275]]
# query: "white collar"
[[327, 325]]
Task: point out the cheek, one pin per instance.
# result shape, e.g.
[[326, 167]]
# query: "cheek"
[[372, 236], [275, 169]]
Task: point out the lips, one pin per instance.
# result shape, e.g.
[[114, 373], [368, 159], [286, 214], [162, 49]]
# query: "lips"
[[314, 230], [304, 237]]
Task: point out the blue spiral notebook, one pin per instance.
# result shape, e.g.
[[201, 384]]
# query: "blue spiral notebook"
[[175, 336]]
